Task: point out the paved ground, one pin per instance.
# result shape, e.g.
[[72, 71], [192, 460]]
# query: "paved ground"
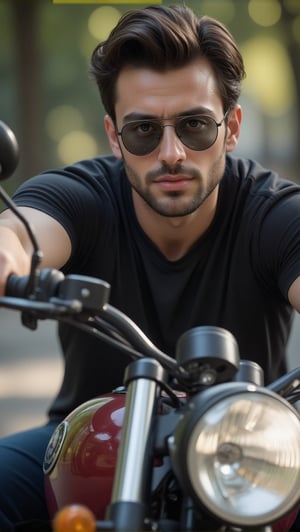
[[31, 370]]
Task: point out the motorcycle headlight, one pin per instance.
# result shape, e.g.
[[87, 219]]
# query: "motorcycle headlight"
[[236, 451]]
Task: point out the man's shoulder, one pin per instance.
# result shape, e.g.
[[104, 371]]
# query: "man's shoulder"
[[94, 175], [95, 179], [258, 179], [101, 167]]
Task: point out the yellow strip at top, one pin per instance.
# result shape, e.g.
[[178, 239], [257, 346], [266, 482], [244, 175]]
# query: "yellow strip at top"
[[106, 2]]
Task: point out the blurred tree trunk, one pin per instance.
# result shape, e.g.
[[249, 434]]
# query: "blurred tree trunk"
[[25, 20]]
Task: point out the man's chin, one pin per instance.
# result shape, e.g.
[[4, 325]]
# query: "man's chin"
[[171, 210]]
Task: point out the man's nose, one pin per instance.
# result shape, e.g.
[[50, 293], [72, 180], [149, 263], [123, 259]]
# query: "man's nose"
[[171, 149]]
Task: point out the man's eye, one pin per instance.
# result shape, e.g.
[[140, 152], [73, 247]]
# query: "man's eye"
[[196, 123], [145, 128]]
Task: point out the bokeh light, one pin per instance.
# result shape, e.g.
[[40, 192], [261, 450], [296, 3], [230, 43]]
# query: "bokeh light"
[[102, 21], [76, 145], [264, 12], [269, 75], [61, 120]]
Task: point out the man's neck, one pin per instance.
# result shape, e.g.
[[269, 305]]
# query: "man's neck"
[[175, 236]]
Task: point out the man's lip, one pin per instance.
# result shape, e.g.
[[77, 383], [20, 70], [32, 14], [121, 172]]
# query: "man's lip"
[[173, 178], [173, 182]]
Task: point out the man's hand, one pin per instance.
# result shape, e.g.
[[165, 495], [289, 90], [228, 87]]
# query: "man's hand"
[[13, 257], [16, 248], [294, 294]]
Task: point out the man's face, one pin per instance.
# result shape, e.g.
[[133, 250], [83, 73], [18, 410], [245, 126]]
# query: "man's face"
[[173, 179]]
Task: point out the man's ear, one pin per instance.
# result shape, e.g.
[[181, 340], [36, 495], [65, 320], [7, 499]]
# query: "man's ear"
[[233, 128], [112, 136]]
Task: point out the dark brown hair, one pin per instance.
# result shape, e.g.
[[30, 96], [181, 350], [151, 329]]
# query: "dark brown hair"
[[164, 38]]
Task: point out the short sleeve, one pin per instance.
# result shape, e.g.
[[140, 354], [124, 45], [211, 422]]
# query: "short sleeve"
[[277, 243]]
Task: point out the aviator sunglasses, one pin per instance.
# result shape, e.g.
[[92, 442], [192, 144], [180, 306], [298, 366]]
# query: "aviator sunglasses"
[[196, 132]]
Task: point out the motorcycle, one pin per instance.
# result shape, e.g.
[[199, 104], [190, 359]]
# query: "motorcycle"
[[190, 443]]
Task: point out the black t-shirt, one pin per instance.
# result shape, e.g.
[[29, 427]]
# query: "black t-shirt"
[[236, 276]]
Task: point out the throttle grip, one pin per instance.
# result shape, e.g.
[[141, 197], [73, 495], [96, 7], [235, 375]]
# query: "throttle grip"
[[16, 285], [46, 286]]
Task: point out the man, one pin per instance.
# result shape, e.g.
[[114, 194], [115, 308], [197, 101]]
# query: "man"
[[185, 234]]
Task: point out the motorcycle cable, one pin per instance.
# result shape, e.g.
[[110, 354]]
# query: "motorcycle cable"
[[125, 347]]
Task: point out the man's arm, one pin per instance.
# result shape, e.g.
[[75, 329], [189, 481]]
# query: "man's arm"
[[16, 248], [294, 294]]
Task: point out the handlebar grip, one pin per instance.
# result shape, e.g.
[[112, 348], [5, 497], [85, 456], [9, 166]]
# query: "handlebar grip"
[[16, 285], [46, 284]]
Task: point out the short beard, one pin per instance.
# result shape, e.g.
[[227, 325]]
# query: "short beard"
[[176, 208]]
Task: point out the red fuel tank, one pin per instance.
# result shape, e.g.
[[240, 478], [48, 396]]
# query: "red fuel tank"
[[80, 460], [81, 457]]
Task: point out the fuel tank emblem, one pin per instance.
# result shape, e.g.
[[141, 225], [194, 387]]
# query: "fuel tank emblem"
[[54, 447]]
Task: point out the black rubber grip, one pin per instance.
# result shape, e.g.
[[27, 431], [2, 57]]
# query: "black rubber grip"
[[16, 286]]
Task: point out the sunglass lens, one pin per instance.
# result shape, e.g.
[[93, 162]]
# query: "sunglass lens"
[[197, 132], [141, 138]]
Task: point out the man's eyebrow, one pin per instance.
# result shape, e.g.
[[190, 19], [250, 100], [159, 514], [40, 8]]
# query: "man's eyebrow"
[[197, 111], [132, 117]]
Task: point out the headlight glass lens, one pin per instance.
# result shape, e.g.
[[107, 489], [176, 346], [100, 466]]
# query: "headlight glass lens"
[[243, 459]]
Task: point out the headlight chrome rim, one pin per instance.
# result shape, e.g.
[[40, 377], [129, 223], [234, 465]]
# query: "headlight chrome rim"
[[211, 477]]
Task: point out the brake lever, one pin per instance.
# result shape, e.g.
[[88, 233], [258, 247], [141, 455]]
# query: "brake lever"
[[40, 309]]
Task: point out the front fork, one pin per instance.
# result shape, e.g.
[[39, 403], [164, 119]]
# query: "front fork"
[[132, 481]]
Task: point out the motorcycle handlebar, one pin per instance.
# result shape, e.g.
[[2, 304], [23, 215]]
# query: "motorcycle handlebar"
[[57, 295], [49, 283], [72, 295]]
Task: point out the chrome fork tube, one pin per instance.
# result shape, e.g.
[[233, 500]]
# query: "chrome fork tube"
[[132, 480]]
